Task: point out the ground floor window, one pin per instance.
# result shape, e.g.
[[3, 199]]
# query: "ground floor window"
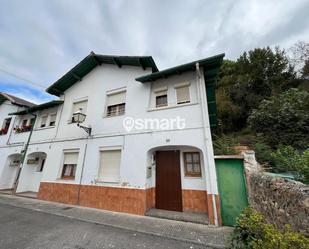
[[192, 164], [109, 166], [69, 165]]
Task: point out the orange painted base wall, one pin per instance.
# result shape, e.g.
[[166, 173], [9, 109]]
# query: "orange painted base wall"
[[114, 199], [134, 201]]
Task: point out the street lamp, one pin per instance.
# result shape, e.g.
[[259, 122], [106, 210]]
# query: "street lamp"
[[79, 117]]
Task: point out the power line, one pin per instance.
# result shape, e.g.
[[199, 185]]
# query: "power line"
[[23, 79]]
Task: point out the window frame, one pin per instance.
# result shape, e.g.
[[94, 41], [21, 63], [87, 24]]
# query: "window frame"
[[160, 96], [49, 121], [100, 179], [183, 86], [117, 106], [43, 125], [192, 173], [63, 167], [41, 166], [85, 99]]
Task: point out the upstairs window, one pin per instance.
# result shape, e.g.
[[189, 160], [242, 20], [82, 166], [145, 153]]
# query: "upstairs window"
[[183, 95], [69, 165], [24, 123], [109, 165], [192, 164], [52, 119], [161, 98], [5, 126], [80, 105], [116, 104], [32, 121], [43, 121]]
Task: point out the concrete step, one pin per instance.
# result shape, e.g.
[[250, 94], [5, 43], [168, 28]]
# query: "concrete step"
[[194, 217]]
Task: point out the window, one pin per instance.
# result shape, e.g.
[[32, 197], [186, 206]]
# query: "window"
[[43, 121], [183, 95], [41, 166], [24, 123], [5, 126], [69, 165], [52, 119], [80, 105], [161, 98], [116, 104], [192, 164], [109, 165], [32, 121]]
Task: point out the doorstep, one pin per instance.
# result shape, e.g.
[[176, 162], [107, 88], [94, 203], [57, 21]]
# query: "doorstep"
[[194, 217], [28, 194]]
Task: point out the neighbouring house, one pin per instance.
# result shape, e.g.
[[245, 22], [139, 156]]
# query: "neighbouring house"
[[116, 168], [10, 153]]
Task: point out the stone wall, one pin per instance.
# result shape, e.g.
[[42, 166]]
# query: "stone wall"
[[280, 201]]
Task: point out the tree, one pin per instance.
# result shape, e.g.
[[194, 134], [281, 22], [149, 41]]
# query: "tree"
[[227, 111], [300, 58], [284, 119], [261, 73]]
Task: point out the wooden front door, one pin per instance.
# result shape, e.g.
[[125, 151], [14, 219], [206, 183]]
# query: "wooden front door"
[[168, 180]]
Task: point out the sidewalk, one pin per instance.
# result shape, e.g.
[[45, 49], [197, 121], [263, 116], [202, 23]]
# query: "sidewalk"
[[207, 235]]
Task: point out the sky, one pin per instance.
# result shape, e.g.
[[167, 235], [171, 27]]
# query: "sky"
[[40, 40]]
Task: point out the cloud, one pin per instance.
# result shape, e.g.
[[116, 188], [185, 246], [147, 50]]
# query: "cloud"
[[41, 40]]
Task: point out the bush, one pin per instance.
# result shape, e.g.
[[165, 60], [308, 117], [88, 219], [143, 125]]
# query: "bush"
[[284, 119], [224, 144], [252, 232], [263, 153], [286, 158]]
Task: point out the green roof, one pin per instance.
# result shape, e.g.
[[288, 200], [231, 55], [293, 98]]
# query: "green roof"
[[93, 60], [211, 67], [39, 107]]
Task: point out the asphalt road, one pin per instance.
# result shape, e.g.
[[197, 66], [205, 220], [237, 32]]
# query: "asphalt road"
[[23, 228]]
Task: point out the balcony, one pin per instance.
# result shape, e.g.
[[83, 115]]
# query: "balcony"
[[22, 129]]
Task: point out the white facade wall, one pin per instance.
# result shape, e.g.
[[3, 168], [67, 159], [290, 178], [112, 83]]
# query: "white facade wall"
[[107, 132]]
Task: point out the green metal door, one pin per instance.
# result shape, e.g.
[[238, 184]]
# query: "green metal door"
[[232, 189]]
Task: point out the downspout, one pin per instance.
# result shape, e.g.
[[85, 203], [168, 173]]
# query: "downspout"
[[24, 152], [204, 109], [81, 174]]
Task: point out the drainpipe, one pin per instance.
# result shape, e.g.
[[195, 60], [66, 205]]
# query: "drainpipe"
[[207, 134], [24, 152], [82, 173]]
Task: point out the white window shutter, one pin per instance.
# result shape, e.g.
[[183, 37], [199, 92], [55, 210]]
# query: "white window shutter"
[[110, 165], [80, 105], [116, 98], [183, 94], [70, 157]]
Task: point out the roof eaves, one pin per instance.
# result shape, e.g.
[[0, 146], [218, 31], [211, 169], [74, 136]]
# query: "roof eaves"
[[181, 68], [38, 107]]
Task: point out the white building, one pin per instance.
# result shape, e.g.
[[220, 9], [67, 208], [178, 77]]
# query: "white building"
[[119, 169]]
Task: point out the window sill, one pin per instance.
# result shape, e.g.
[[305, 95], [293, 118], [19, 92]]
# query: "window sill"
[[193, 176], [170, 107], [44, 128], [106, 181], [113, 116]]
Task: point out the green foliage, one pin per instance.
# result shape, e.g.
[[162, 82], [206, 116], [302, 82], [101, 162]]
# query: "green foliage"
[[242, 85], [284, 119], [261, 73], [287, 158], [227, 112], [252, 232], [263, 153], [223, 145]]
